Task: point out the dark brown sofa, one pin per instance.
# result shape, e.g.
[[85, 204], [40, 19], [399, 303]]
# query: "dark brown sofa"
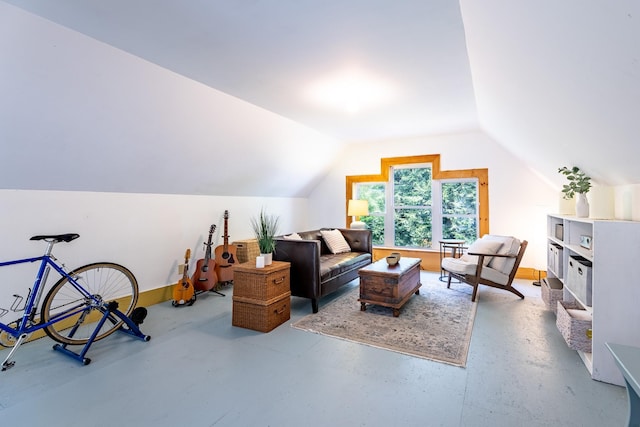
[[315, 271]]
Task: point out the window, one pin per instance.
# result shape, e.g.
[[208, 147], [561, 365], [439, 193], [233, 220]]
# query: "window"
[[415, 204]]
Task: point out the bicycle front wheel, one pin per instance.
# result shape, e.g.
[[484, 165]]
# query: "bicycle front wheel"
[[106, 282]]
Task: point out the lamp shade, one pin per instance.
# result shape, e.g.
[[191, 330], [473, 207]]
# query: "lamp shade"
[[358, 208], [355, 209]]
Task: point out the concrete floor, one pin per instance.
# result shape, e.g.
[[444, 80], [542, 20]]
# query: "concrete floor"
[[199, 370]]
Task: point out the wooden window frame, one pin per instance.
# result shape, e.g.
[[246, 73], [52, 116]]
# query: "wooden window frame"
[[482, 175]]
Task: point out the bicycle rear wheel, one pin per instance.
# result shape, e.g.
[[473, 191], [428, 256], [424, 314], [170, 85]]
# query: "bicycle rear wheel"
[[106, 282]]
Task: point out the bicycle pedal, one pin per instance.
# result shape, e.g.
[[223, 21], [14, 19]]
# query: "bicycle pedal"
[[138, 315]]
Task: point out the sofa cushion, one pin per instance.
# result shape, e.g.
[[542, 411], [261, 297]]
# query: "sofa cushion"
[[332, 265], [335, 241]]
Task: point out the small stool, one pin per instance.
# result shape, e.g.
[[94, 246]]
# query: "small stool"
[[456, 247]]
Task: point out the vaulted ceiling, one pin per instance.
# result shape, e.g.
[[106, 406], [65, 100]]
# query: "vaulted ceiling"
[[556, 83]]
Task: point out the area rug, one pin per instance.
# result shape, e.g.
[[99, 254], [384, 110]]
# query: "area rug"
[[435, 325]]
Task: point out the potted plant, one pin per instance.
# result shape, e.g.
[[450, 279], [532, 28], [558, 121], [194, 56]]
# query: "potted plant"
[[265, 227], [579, 184]]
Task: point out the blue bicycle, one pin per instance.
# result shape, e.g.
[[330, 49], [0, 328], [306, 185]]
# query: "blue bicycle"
[[83, 306]]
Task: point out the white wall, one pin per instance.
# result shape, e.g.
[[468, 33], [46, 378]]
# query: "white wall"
[[518, 198], [148, 233]]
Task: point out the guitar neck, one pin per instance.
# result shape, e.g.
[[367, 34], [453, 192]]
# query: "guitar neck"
[[185, 273], [226, 237], [207, 252]]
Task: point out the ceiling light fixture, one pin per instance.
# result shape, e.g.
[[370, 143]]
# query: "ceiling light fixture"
[[351, 90]]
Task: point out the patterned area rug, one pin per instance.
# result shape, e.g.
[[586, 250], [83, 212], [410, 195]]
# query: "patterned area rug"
[[435, 325]]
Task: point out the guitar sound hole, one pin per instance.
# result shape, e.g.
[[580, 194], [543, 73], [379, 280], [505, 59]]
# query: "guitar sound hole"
[[225, 255]]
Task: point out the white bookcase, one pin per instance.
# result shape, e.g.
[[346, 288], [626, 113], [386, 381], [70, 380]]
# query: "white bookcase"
[[615, 310]]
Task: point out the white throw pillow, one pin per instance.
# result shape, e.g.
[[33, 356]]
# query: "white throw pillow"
[[335, 241], [293, 236], [483, 246]]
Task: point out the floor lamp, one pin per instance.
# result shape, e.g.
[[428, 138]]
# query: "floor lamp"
[[355, 209], [538, 282], [539, 269]]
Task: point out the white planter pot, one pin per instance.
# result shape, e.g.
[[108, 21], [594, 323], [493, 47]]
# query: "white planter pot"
[[582, 206], [267, 258]]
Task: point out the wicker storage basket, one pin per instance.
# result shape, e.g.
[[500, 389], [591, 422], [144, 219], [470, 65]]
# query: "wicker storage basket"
[[262, 316], [266, 283], [247, 250], [551, 291], [574, 330]]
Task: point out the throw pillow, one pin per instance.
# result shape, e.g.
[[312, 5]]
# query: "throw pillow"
[[335, 241], [483, 246], [293, 236]]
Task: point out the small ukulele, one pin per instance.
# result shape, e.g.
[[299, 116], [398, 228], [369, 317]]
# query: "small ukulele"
[[205, 277], [183, 292], [225, 256]]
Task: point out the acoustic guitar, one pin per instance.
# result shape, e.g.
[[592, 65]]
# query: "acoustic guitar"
[[183, 292], [205, 277], [225, 255]]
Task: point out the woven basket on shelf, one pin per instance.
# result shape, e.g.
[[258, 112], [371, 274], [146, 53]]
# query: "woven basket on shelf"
[[573, 330], [246, 250]]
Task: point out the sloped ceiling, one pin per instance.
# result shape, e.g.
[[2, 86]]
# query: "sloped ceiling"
[[272, 54], [556, 83]]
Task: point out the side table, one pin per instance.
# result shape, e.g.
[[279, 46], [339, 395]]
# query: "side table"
[[455, 246], [261, 296]]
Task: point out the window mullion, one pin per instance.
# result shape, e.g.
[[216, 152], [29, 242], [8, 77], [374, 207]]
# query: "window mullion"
[[436, 211]]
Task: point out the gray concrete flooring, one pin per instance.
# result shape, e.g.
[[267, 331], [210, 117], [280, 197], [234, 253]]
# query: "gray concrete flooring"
[[199, 370]]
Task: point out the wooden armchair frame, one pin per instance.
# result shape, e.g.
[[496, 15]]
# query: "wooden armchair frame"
[[476, 279]]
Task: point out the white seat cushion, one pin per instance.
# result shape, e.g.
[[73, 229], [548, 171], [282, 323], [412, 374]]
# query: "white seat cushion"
[[461, 266]]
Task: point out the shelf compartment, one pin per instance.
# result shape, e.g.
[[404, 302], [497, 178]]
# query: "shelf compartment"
[[579, 279], [551, 291], [554, 259]]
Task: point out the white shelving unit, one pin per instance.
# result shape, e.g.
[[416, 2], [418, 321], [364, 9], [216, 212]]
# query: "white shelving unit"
[[615, 309]]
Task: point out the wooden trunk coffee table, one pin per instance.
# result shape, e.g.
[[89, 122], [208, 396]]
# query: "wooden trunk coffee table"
[[388, 286]]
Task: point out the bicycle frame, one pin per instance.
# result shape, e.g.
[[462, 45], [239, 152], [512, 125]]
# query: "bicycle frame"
[[26, 324]]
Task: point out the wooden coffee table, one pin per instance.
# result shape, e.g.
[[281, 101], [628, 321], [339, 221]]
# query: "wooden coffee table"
[[388, 286]]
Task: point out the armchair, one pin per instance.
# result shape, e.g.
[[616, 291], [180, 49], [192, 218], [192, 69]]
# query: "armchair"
[[492, 260]]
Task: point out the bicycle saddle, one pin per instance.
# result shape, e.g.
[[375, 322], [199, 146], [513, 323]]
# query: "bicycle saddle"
[[57, 237]]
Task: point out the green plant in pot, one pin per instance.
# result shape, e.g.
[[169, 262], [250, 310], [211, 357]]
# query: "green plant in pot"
[[579, 184], [265, 227]]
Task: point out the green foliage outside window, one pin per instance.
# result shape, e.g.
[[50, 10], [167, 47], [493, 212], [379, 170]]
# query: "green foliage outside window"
[[412, 187], [459, 210], [375, 193], [413, 228]]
